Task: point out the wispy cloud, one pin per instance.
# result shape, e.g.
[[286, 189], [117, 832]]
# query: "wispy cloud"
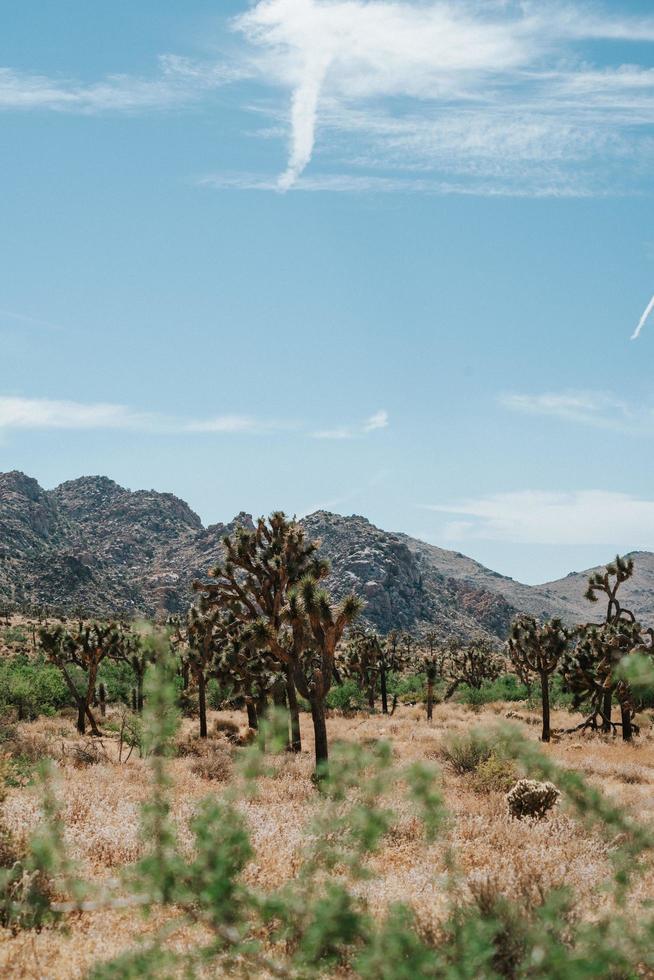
[[597, 408], [18, 413], [30, 321], [43, 413], [643, 320], [506, 90], [177, 81], [600, 517], [379, 420]]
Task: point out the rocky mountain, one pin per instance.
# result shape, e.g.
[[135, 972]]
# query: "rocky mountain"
[[94, 547]]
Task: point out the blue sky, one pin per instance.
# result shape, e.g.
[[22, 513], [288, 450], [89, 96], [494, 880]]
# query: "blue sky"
[[379, 258]]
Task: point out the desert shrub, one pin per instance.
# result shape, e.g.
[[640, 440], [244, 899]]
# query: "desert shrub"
[[88, 753], [31, 688], [507, 687], [531, 798], [215, 764], [15, 636], [219, 696], [228, 728], [464, 753], [347, 696], [494, 774], [118, 679]]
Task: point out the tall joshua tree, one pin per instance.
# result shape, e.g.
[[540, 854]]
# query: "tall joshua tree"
[[85, 647], [269, 582], [537, 648]]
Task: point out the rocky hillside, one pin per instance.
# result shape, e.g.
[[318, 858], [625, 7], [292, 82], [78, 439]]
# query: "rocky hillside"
[[94, 547]]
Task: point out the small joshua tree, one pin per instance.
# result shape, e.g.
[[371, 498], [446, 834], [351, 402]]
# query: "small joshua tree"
[[361, 661], [538, 648], [472, 665], [395, 655], [432, 662], [85, 647]]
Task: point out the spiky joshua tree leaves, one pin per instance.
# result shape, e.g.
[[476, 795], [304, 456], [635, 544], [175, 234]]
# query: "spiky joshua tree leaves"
[[269, 584], [537, 648]]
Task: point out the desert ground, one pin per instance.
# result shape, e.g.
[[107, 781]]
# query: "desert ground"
[[520, 859]]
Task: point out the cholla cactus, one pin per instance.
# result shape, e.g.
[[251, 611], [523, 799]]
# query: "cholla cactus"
[[530, 798]]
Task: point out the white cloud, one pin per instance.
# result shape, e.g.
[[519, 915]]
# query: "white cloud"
[[17, 413], [643, 320], [177, 81], [379, 420], [534, 517], [597, 408], [43, 414], [507, 89]]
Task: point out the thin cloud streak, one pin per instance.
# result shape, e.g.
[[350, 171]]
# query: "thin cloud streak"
[[31, 321], [596, 408], [42, 414], [379, 420], [643, 320], [177, 82]]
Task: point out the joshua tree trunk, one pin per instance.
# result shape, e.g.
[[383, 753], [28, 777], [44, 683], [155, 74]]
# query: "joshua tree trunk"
[[627, 730], [139, 692], [430, 698], [202, 703], [545, 697], [103, 699], [81, 717], [294, 711], [320, 732], [384, 693], [606, 710], [253, 721], [371, 698], [279, 700]]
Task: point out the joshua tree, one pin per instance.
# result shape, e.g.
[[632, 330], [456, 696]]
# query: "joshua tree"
[[361, 661], [590, 670], [472, 665], [537, 648], [270, 583], [85, 646], [395, 655], [432, 662]]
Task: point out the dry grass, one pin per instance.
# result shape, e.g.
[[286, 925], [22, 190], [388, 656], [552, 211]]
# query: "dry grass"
[[101, 811]]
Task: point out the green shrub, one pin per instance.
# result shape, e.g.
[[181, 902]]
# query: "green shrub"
[[495, 775], [347, 696], [31, 688], [464, 753]]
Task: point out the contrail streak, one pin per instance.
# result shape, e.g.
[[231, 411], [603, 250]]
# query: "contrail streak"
[[643, 319]]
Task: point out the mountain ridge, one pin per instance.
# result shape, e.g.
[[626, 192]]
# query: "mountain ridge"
[[92, 546]]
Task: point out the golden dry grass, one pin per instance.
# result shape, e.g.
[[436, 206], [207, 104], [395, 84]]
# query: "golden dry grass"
[[101, 812]]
